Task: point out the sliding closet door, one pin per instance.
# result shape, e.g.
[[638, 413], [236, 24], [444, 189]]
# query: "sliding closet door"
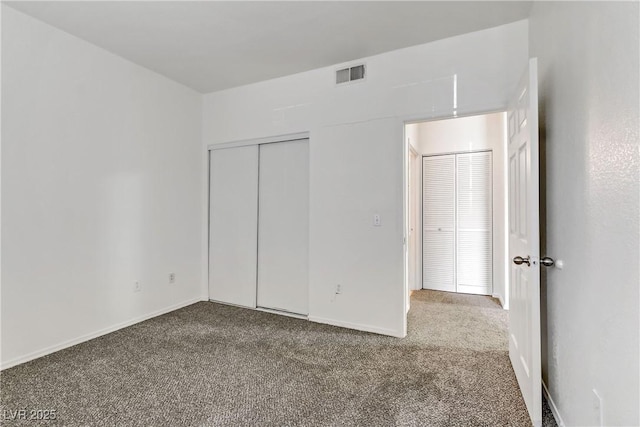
[[438, 222], [283, 227], [474, 236], [233, 221]]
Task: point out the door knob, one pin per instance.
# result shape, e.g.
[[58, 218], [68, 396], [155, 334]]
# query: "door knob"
[[519, 260], [547, 261]]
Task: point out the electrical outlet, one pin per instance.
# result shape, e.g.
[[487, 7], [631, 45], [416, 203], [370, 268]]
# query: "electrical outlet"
[[377, 221], [172, 278], [136, 286], [598, 410]]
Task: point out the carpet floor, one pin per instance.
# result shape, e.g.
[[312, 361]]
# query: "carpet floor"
[[215, 365]]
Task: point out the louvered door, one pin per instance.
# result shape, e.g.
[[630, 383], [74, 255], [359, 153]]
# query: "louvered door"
[[474, 264], [457, 223], [438, 222]]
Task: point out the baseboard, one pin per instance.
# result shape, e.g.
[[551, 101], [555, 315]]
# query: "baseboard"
[[357, 326], [101, 332], [552, 406]]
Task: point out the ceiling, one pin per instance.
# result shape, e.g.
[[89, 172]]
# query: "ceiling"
[[214, 45]]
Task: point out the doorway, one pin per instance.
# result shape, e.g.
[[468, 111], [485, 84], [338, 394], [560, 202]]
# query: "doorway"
[[461, 185]]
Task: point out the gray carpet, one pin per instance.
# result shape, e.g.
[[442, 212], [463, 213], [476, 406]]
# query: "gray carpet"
[[215, 365]]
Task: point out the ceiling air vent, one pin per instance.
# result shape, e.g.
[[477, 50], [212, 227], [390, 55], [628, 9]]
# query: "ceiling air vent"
[[350, 74]]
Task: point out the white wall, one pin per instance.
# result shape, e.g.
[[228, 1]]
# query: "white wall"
[[589, 68], [473, 133], [356, 151], [101, 186]]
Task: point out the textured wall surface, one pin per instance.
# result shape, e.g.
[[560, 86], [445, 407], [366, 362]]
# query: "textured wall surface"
[[588, 56]]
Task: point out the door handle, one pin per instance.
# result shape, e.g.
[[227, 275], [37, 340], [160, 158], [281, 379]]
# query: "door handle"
[[547, 261], [519, 260]]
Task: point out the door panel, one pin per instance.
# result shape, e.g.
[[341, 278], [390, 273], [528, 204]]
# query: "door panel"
[[513, 200], [521, 177], [524, 241], [439, 260], [283, 227], [474, 245], [438, 222], [474, 262], [439, 186], [233, 218]]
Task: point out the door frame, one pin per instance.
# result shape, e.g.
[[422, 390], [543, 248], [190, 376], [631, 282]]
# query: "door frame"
[[414, 119], [416, 210], [258, 141]]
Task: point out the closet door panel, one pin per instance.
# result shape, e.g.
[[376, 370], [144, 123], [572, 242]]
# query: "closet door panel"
[[438, 222], [233, 211], [283, 227], [474, 232], [439, 260], [475, 267]]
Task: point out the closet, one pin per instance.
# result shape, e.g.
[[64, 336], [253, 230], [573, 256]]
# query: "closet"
[[259, 226], [457, 252]]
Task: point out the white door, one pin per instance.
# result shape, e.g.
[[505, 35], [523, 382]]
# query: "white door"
[[438, 222], [283, 227], [524, 242], [233, 218], [474, 232]]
